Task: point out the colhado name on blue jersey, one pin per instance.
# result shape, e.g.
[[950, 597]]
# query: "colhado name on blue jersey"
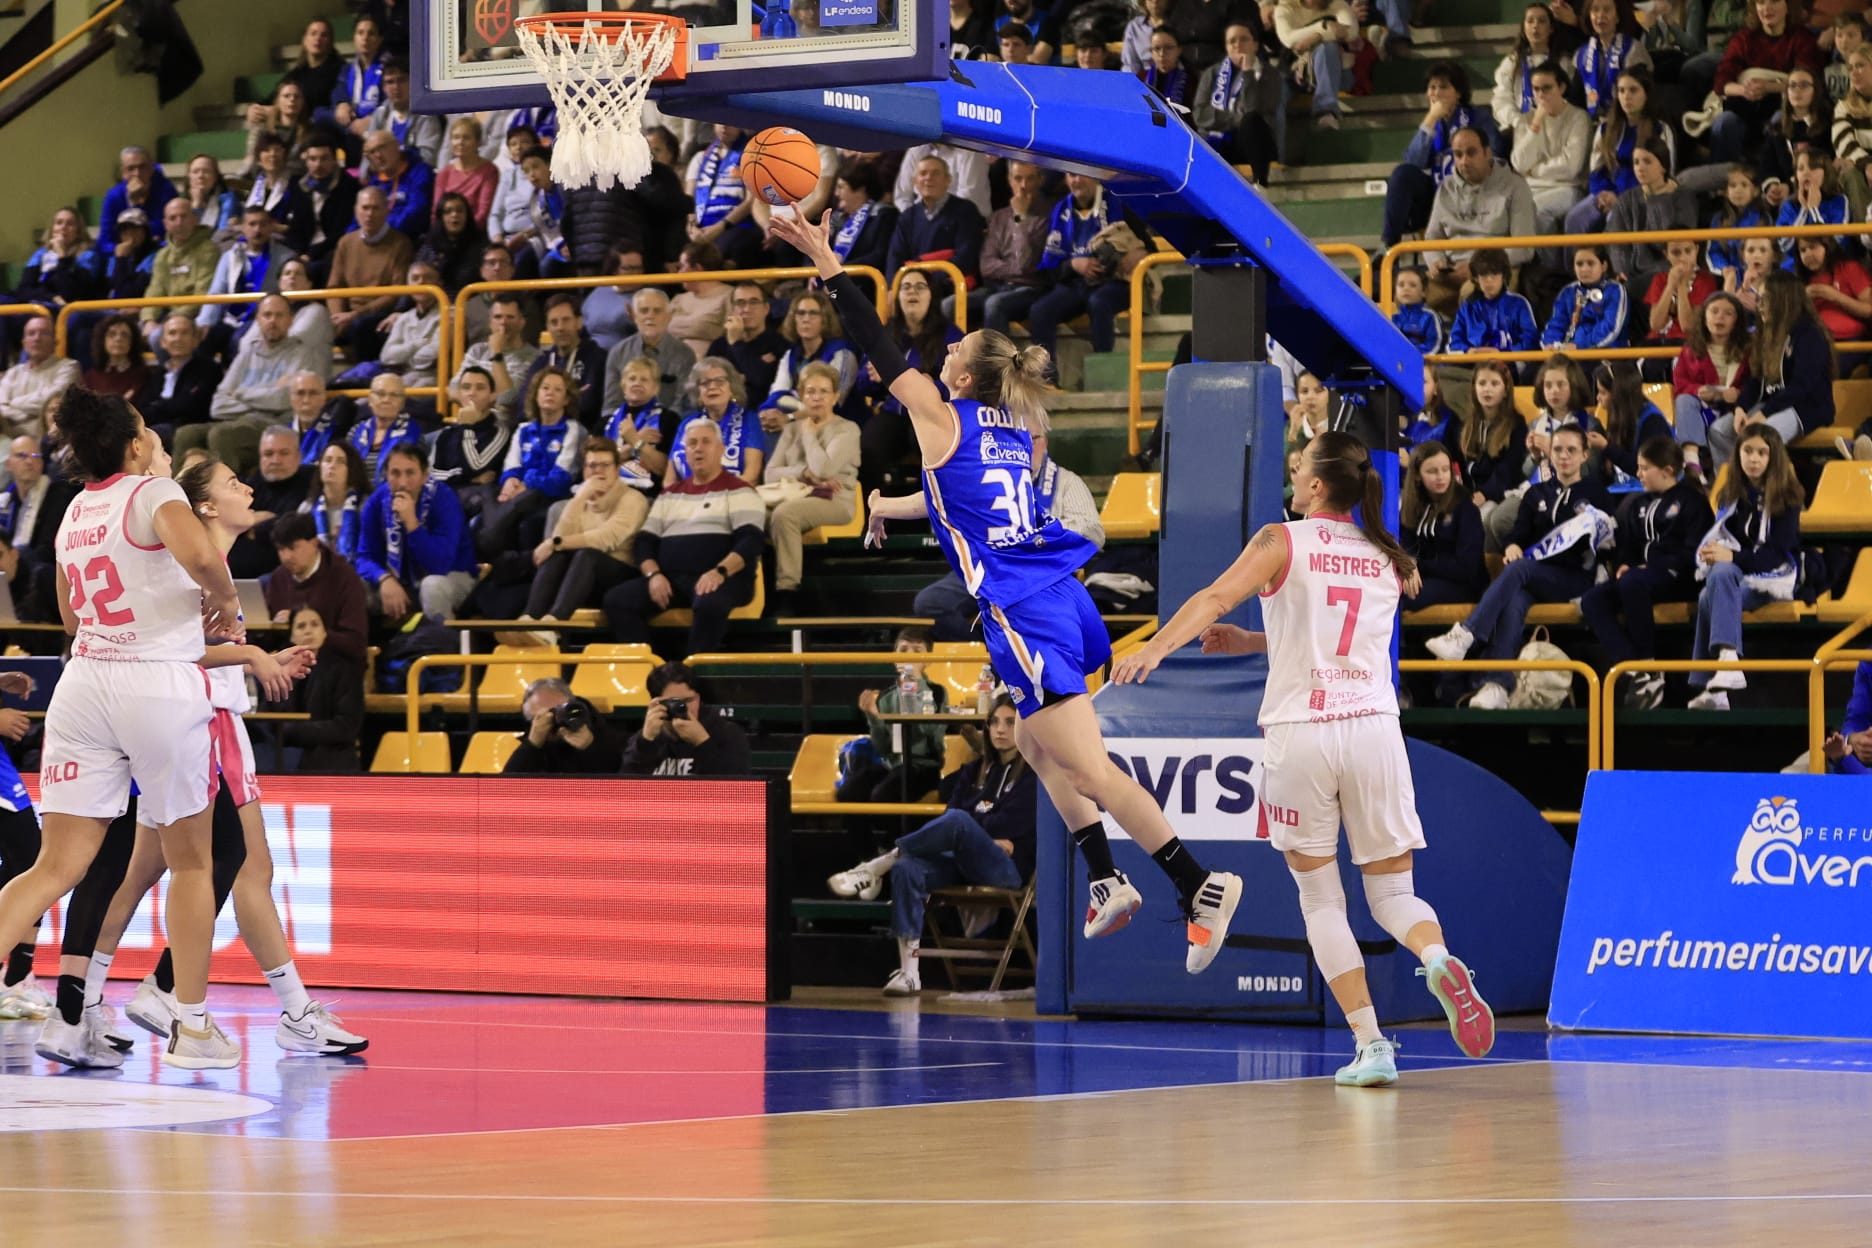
[[997, 418]]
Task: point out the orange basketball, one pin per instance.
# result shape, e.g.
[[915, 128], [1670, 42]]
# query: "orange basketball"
[[780, 165]]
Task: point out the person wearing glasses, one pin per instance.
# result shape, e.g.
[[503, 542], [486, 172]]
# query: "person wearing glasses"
[[30, 509]]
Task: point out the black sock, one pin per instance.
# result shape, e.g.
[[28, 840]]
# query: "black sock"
[[71, 998], [1182, 868], [19, 964], [1096, 849], [165, 972]]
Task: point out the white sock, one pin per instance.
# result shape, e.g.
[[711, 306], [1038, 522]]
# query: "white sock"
[[1432, 952], [95, 975], [194, 1017], [1364, 1026], [284, 980], [906, 956], [1726, 654]]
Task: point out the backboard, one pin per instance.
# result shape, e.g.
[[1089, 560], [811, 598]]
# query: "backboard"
[[464, 57]]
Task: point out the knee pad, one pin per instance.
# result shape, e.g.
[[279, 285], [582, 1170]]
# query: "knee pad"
[[1395, 904], [1323, 906]]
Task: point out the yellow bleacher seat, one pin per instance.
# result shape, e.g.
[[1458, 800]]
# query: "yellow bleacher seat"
[[394, 756], [1843, 503], [1658, 393], [1132, 507], [488, 752], [504, 684], [1441, 616], [1661, 396], [814, 777], [1822, 438], [609, 686], [956, 753], [1857, 599], [853, 528], [959, 676], [682, 617]]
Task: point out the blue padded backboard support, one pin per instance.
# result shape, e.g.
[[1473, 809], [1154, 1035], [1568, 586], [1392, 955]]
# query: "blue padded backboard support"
[[1114, 128]]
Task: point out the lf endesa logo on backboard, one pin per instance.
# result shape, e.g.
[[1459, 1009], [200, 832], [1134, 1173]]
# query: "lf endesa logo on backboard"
[[1208, 787]]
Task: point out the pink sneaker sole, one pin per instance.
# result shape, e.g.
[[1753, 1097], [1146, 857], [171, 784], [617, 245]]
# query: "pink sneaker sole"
[[1471, 1021]]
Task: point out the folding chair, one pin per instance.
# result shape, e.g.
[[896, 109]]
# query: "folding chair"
[[952, 949]]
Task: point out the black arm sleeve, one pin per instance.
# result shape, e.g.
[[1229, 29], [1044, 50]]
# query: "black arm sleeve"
[[863, 328]]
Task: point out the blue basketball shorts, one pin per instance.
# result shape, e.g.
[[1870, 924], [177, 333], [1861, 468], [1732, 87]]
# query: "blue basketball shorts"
[[1043, 646]]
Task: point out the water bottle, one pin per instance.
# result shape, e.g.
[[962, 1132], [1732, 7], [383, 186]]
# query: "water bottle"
[[908, 701], [926, 701], [778, 23], [984, 691]]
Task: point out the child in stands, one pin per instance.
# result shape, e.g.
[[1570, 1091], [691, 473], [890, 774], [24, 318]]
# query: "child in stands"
[[1628, 421], [1815, 199], [1442, 530], [1492, 437], [1838, 286], [1759, 256], [1672, 302], [1741, 208], [1790, 381], [1494, 318], [1565, 396], [1709, 373], [1414, 318], [1591, 310], [1436, 422]]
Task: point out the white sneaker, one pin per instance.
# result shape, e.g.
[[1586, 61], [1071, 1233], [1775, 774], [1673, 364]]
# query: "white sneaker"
[[1374, 1067], [201, 1050], [1326, 121], [1209, 919], [319, 1031], [1727, 681], [1489, 697], [1710, 700], [103, 1016], [1453, 646], [860, 882], [1113, 903], [152, 1009], [903, 983], [25, 999], [79, 1044]]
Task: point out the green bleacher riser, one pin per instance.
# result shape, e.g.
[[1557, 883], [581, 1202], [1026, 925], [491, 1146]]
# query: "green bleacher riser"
[[220, 144], [1406, 73], [1340, 218], [256, 88], [1111, 371]]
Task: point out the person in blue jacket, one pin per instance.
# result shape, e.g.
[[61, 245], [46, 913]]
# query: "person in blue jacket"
[[1414, 318], [1850, 749], [20, 994], [1629, 420], [1790, 370], [144, 186], [541, 461], [1411, 189], [1591, 310], [413, 545], [1494, 318]]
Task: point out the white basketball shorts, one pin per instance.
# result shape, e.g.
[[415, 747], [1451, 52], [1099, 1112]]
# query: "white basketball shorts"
[[1354, 771], [110, 722], [232, 752]]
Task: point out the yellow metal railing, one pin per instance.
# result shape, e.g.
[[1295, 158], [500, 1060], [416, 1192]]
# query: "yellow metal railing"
[[90, 24], [444, 360], [1831, 655], [1595, 692], [957, 282], [1139, 365], [1610, 702]]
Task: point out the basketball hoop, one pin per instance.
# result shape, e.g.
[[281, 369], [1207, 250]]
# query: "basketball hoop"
[[598, 68]]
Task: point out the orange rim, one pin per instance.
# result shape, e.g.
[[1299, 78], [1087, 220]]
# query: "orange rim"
[[612, 27]]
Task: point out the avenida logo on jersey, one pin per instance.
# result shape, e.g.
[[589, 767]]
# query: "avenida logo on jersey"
[[1208, 787], [1770, 850]]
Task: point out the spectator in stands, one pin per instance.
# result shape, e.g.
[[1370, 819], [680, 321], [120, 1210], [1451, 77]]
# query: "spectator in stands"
[[643, 429], [985, 837], [699, 548], [313, 574], [185, 266], [1613, 45], [1628, 421], [607, 309], [1091, 56], [117, 358], [408, 184], [1790, 374], [923, 335], [255, 393], [1752, 75], [217, 208], [329, 206], [968, 177], [1709, 372], [1239, 103], [722, 207], [1847, 35], [598, 220], [252, 265], [497, 266], [331, 696], [505, 355], [1628, 124], [414, 551], [699, 314], [32, 506], [1315, 32], [511, 210], [25, 388], [650, 308], [815, 335], [1166, 74], [695, 741], [1673, 300], [1849, 751], [317, 68], [1484, 200], [275, 187], [1550, 557], [540, 249], [1134, 51], [722, 398], [566, 736], [541, 459], [413, 335], [418, 133], [1815, 199], [1060, 494], [1837, 285], [335, 501], [470, 449], [1015, 43], [1091, 256], [288, 118], [576, 355], [371, 255], [1044, 29], [818, 454], [1749, 557], [895, 766], [314, 419], [1441, 528], [1413, 317], [181, 391], [360, 83], [65, 268], [1434, 422], [864, 223], [1748, 282], [1427, 160], [1852, 130], [1493, 435], [747, 342], [1654, 561], [1805, 120], [389, 424], [144, 186], [1590, 312], [311, 323], [937, 225], [1515, 96], [589, 550], [1550, 144], [971, 31], [127, 271], [454, 244], [1010, 258], [1493, 318], [279, 486]]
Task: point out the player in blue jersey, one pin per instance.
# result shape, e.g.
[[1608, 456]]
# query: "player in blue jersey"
[[1042, 631], [20, 994]]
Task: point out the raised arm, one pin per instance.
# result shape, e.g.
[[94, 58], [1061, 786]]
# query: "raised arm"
[[1261, 563]]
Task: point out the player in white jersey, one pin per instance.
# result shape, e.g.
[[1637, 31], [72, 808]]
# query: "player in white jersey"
[[137, 582], [1329, 591]]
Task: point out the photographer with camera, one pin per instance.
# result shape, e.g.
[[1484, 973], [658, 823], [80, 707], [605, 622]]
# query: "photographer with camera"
[[565, 736], [680, 736]]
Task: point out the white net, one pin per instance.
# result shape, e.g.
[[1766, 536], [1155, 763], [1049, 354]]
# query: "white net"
[[598, 80]]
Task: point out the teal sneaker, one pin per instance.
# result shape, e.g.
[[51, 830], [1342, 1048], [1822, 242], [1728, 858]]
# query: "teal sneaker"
[[1470, 1019], [1374, 1067]]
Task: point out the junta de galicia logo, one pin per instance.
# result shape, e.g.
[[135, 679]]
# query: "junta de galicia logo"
[[1770, 852]]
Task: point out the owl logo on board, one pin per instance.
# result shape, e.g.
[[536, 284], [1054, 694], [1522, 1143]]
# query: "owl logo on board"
[[1774, 829]]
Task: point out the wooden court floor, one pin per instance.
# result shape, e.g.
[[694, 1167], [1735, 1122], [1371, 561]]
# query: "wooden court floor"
[[518, 1121]]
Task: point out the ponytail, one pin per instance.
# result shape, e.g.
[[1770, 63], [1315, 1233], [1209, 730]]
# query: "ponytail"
[[1371, 521], [1012, 378], [1345, 468]]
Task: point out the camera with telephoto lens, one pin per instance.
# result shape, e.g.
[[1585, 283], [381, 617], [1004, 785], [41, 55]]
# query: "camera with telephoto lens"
[[571, 716], [678, 708]]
